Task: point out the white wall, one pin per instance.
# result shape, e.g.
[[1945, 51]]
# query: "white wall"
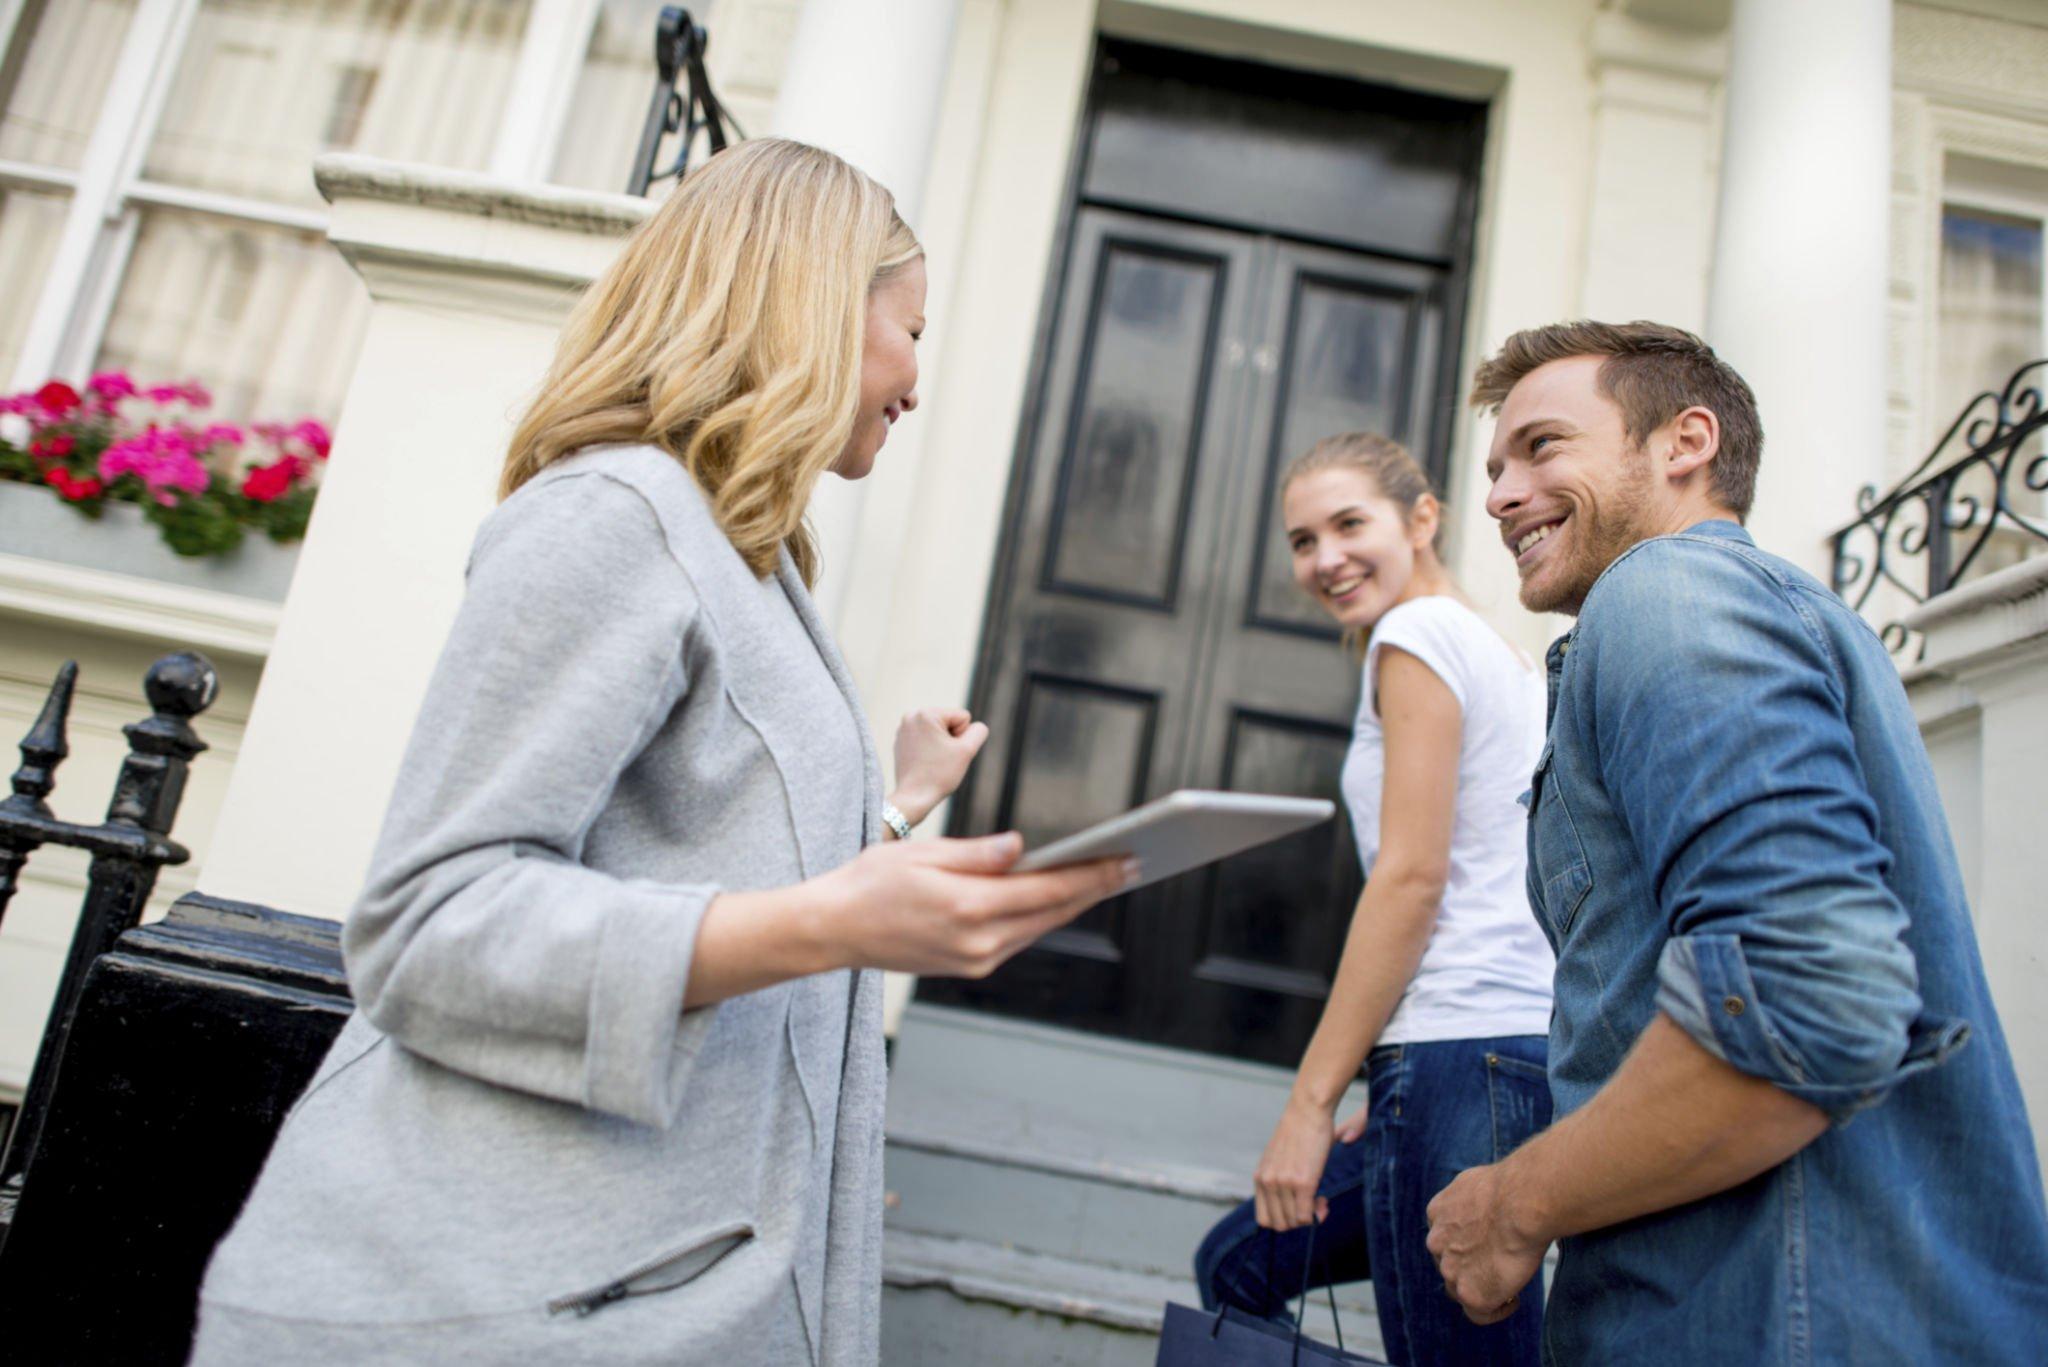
[[1982, 700]]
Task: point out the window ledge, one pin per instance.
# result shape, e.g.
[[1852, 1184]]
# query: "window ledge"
[[144, 609], [347, 175]]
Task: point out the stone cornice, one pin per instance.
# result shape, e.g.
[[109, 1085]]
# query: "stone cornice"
[[1987, 619], [347, 175]]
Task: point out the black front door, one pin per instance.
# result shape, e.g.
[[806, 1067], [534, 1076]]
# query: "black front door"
[[1144, 632]]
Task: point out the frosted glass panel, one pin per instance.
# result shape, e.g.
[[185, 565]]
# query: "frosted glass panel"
[[1991, 321], [65, 52], [29, 225], [267, 318], [264, 86]]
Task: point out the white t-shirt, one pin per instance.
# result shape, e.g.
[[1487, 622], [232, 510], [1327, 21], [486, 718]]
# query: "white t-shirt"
[[1487, 969]]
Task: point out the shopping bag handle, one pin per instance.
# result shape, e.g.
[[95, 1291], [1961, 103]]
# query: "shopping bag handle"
[[1308, 1267], [1307, 1274]]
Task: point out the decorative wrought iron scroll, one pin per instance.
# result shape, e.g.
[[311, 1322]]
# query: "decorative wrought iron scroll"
[[679, 46], [1934, 525]]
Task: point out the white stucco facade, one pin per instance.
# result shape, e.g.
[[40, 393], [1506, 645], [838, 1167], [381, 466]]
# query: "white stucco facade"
[[1612, 154]]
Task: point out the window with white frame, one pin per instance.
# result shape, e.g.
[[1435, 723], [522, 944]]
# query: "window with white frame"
[[1992, 316], [157, 207], [1993, 290]]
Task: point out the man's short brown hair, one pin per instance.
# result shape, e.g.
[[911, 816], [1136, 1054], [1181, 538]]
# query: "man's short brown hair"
[[1652, 373]]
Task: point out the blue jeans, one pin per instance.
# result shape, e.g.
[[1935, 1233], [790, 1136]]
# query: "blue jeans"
[[1437, 1108]]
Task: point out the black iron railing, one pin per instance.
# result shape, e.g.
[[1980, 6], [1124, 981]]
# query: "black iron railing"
[[1980, 495], [128, 849]]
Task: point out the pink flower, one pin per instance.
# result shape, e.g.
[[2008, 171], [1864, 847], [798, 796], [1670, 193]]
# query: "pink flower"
[[110, 385], [57, 397], [314, 434], [190, 392], [222, 433], [164, 459]]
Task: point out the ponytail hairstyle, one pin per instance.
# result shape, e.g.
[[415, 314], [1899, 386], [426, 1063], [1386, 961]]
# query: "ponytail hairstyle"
[[728, 332]]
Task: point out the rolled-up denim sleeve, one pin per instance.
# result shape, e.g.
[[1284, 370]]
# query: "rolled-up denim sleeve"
[[1725, 745]]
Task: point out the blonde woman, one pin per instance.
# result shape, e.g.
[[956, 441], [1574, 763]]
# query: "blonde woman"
[[613, 1091], [1443, 990]]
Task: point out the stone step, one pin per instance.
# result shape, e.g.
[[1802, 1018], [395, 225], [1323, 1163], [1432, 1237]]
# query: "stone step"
[[1065, 1143], [1040, 1200], [989, 1080]]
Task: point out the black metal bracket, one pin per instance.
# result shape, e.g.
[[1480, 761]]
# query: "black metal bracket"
[[679, 46]]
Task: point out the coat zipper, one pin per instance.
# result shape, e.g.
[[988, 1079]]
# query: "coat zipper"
[[590, 1302]]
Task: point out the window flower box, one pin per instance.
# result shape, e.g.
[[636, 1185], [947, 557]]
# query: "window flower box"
[[125, 478], [33, 524]]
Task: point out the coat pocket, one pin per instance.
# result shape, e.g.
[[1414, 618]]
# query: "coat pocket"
[[666, 1272]]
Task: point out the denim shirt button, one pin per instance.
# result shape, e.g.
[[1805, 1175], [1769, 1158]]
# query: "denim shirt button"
[[1732, 1005]]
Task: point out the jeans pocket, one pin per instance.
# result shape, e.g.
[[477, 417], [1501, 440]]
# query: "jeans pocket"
[[1518, 1096]]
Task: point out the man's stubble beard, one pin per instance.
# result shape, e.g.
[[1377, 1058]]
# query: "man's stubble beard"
[[1602, 534]]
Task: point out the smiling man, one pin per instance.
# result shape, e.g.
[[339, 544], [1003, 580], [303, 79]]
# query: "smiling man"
[[1774, 1145]]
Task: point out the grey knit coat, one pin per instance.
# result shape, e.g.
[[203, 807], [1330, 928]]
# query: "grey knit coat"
[[522, 1149]]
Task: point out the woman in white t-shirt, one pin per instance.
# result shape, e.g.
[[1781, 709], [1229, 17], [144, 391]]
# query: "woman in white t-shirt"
[[1443, 990]]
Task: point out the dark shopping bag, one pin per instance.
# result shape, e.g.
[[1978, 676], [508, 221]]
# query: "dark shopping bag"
[[1229, 1337]]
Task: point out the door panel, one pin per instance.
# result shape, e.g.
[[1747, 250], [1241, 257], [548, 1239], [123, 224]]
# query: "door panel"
[[1349, 333], [1087, 679], [1080, 753], [1119, 520]]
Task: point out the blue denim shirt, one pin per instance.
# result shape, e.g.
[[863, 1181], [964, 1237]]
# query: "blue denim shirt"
[[1734, 822]]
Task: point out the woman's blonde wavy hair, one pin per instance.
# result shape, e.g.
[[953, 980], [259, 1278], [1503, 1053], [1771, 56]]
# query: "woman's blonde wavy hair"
[[728, 332]]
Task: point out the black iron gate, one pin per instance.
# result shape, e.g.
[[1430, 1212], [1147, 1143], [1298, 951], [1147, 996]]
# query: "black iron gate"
[[128, 850], [172, 1052]]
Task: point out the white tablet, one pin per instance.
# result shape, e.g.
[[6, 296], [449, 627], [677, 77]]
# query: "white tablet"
[[1184, 830]]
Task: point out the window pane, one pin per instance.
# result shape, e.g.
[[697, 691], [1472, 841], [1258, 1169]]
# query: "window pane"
[[610, 107], [1991, 321], [264, 86], [1991, 325], [269, 319], [29, 225], [56, 77]]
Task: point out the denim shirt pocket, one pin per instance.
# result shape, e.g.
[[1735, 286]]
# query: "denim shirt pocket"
[[1560, 875]]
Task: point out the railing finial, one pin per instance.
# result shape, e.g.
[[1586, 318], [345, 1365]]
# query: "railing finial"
[[45, 746]]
